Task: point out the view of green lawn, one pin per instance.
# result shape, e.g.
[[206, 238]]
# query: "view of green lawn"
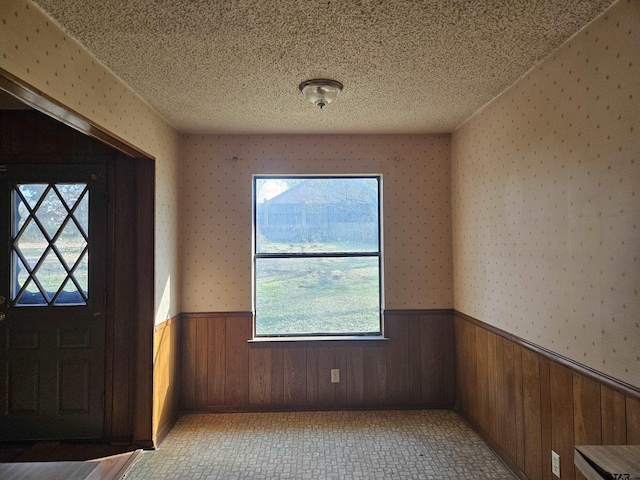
[[317, 295], [51, 273]]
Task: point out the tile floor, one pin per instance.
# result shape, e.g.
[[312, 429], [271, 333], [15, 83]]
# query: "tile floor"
[[409, 444]]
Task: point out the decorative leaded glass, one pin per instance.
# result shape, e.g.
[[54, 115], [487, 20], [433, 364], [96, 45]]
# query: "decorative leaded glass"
[[50, 242]]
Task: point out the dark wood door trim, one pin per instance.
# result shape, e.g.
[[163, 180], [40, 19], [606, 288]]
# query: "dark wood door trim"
[[43, 103], [145, 308]]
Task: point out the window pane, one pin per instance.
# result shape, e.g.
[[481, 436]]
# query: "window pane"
[[297, 215], [31, 294], [51, 274], [54, 276], [301, 296], [32, 193], [32, 243], [51, 213]]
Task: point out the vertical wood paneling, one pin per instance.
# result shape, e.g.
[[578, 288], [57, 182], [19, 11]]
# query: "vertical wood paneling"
[[414, 394], [613, 417], [562, 417], [633, 421], [586, 414], [397, 358], [259, 376], [586, 411], [531, 414], [482, 374], [277, 375], [312, 375], [431, 357], [462, 368], [508, 415], [237, 332], [471, 359], [166, 376], [375, 375], [519, 403], [202, 363], [145, 299], [216, 360], [545, 416], [189, 363], [355, 376], [326, 390], [220, 369], [448, 361], [122, 291], [538, 404], [340, 362], [501, 391], [295, 376], [492, 386]]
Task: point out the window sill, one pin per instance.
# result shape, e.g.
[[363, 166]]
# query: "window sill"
[[337, 338]]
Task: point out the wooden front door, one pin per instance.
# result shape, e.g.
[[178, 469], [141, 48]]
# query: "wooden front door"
[[53, 235]]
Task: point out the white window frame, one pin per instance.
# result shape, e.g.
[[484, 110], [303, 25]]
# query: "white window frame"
[[380, 255]]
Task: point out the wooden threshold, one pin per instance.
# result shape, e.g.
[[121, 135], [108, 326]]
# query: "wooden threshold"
[[114, 460], [116, 466]]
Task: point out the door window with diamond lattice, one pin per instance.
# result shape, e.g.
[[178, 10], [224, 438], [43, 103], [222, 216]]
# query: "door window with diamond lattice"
[[50, 244]]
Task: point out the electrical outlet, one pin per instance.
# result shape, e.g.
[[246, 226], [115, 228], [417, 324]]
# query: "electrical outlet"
[[555, 464], [335, 375]]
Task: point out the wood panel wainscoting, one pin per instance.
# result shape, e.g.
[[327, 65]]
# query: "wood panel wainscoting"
[[166, 380], [222, 372], [526, 401]]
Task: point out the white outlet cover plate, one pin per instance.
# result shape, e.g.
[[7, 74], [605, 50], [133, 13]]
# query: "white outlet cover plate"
[[555, 464]]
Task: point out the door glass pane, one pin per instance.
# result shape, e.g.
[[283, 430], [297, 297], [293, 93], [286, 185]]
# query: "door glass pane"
[[32, 295], [32, 193], [82, 214], [51, 274], [32, 244], [51, 213], [22, 214], [55, 276], [71, 243], [70, 192], [70, 295], [82, 273]]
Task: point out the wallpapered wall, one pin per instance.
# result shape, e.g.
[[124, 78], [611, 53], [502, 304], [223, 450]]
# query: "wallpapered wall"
[[546, 201], [37, 51], [216, 210]]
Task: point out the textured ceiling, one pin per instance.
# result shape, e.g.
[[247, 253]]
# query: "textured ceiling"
[[234, 66]]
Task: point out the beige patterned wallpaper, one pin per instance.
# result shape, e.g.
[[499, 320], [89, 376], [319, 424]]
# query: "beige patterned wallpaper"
[[37, 51], [216, 210], [546, 201]]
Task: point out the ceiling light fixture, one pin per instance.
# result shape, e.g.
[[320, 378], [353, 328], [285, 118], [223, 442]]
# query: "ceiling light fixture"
[[320, 91]]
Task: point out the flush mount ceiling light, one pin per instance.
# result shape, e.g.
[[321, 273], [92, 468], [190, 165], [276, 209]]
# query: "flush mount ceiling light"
[[320, 91]]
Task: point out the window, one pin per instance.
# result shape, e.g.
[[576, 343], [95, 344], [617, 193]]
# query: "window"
[[50, 249], [317, 257]]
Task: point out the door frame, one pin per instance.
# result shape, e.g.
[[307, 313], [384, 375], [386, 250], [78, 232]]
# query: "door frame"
[[143, 278]]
